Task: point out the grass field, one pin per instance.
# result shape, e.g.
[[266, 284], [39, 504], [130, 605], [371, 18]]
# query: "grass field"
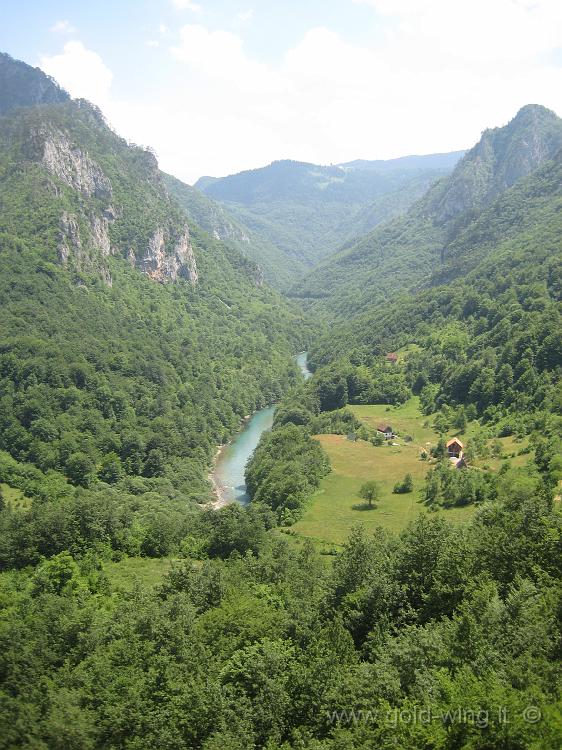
[[14, 497], [405, 420], [147, 571], [336, 507]]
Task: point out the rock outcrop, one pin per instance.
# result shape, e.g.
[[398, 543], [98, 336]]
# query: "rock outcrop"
[[88, 254], [500, 158], [166, 260], [85, 239], [70, 243], [71, 165]]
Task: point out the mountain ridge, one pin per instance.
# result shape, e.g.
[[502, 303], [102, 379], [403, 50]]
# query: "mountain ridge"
[[408, 249], [308, 211], [110, 295], [24, 86]]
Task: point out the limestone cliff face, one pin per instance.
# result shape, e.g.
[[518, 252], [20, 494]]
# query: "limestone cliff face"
[[259, 278], [166, 260], [85, 233], [70, 242], [223, 229], [71, 165], [89, 255]]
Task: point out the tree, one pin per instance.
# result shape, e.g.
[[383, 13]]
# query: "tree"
[[371, 492], [56, 575], [80, 469], [440, 450], [111, 469], [460, 419], [405, 486], [154, 464]]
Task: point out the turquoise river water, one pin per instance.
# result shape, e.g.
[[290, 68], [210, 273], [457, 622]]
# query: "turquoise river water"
[[231, 463]]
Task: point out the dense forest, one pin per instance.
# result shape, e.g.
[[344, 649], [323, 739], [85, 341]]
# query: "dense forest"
[[443, 637], [138, 331], [307, 211], [131, 346]]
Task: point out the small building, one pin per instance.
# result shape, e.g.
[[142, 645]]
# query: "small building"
[[392, 357], [455, 448], [386, 430]]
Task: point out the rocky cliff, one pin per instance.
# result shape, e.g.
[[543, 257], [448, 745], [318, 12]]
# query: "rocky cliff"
[[167, 260], [500, 158], [108, 196]]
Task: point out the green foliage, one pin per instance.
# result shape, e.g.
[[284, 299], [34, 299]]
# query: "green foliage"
[[268, 644], [448, 486], [371, 492], [486, 340], [135, 379], [279, 268], [306, 211], [284, 470], [405, 486], [444, 232], [112, 400]]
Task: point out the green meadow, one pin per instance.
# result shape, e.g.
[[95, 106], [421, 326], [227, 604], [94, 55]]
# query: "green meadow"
[[125, 574], [336, 507]]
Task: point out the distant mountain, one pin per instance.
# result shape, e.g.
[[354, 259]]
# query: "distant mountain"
[[307, 211], [278, 269], [406, 251], [24, 86], [446, 161]]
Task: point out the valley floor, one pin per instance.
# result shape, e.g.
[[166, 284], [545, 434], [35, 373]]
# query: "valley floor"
[[336, 507]]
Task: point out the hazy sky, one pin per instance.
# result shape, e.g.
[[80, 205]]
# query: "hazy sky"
[[216, 86]]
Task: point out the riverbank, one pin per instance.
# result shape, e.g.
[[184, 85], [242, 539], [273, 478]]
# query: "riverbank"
[[217, 491], [217, 488], [227, 475]]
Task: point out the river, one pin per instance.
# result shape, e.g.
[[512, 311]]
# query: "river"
[[228, 474]]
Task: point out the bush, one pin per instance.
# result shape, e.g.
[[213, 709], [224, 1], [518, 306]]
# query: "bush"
[[405, 486]]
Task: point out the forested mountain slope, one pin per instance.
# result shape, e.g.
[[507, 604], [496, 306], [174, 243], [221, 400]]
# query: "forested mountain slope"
[[489, 327], [132, 342], [308, 211], [279, 269], [404, 252], [24, 86]]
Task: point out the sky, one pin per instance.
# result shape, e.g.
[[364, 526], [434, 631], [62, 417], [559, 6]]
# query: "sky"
[[218, 86]]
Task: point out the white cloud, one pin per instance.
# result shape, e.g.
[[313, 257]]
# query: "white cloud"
[[152, 43], [187, 5], [81, 72], [63, 27], [479, 31], [424, 88], [430, 80], [245, 15], [163, 29], [220, 56]]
